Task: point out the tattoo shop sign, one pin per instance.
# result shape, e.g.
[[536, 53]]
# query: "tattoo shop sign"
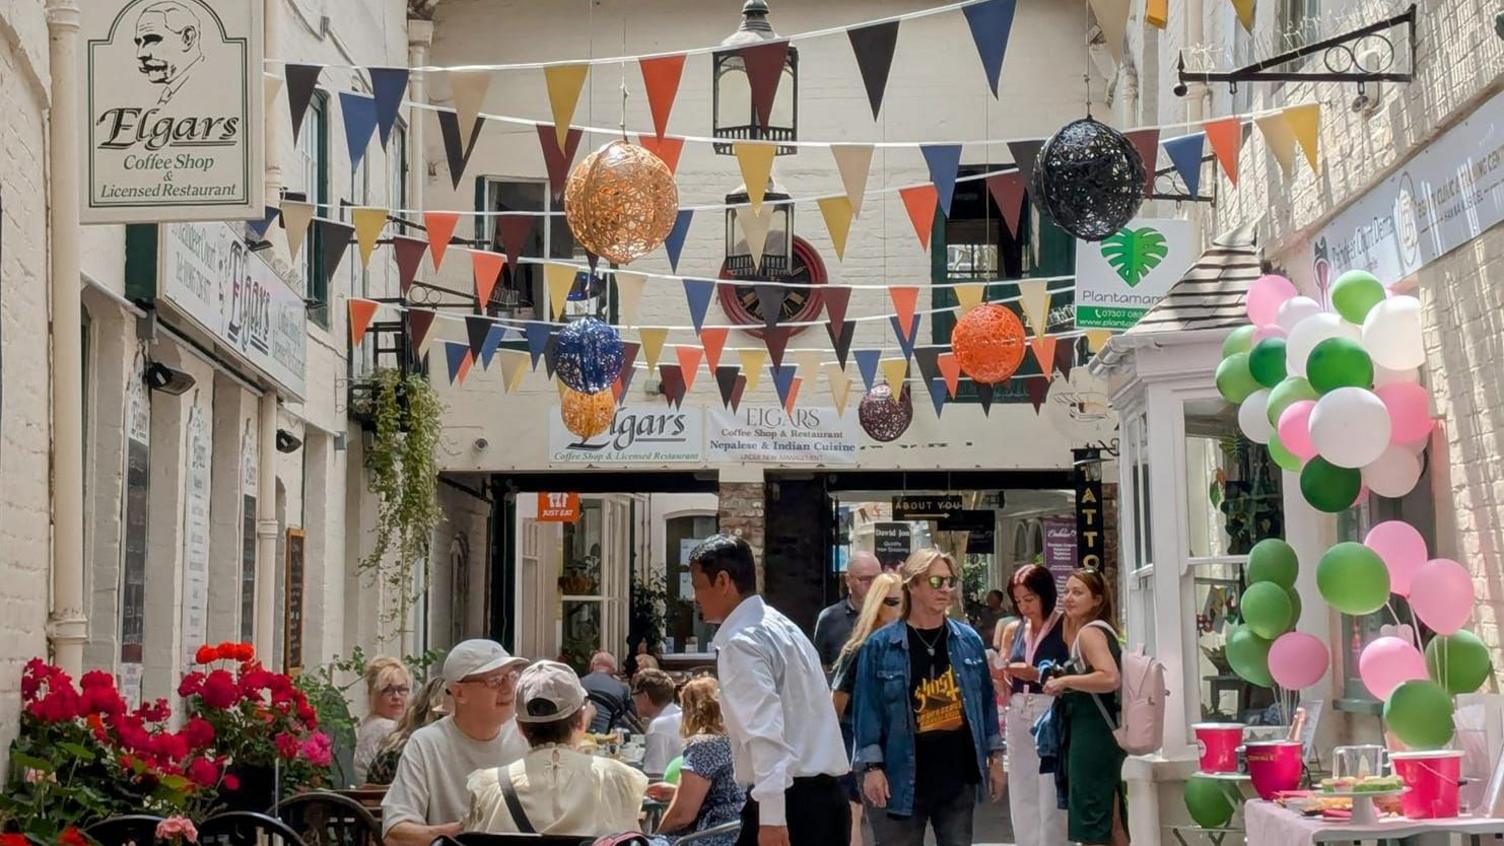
[[173, 110], [759, 434]]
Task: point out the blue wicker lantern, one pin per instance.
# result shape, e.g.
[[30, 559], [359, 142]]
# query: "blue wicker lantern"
[[589, 355]]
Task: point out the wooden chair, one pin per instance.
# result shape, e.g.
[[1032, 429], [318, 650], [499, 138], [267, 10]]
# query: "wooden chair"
[[140, 829], [246, 828], [323, 818]]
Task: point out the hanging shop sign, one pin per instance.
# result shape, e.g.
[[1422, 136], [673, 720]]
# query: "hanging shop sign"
[[1060, 548], [926, 506], [763, 434], [173, 110], [1089, 524], [207, 274], [891, 543], [1443, 197], [1121, 277], [557, 507], [638, 435]]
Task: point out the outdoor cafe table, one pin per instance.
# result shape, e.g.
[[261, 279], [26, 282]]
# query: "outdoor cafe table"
[[1268, 824]]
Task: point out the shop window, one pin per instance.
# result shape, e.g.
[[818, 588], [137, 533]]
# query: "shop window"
[[522, 293], [580, 587], [135, 518], [313, 152], [1136, 541], [684, 630], [249, 481], [397, 171]]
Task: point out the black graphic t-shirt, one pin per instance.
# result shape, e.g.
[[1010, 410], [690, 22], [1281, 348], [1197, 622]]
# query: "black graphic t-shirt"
[[945, 761]]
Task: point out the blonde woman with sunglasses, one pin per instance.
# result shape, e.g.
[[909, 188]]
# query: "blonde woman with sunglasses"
[[878, 609]]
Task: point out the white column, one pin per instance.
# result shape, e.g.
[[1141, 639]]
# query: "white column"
[[266, 530], [68, 626], [419, 39], [271, 25]]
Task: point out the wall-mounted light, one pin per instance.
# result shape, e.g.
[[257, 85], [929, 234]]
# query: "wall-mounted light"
[[287, 441], [168, 380]]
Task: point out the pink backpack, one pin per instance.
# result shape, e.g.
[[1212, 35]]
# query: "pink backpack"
[[1142, 692]]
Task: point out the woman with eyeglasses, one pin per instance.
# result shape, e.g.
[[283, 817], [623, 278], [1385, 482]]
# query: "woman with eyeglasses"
[[387, 686], [1027, 643], [927, 741], [879, 609]]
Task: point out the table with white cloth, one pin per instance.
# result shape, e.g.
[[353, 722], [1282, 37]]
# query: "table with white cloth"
[[1269, 824]]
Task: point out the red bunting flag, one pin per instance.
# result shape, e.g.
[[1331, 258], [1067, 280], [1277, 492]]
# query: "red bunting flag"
[[1146, 142], [713, 339], [1044, 353], [512, 230], [440, 226], [361, 313], [689, 363], [1007, 190], [409, 253], [1038, 390], [793, 395], [487, 267], [1226, 138], [764, 63], [905, 299], [555, 159], [666, 148], [950, 367], [921, 202], [660, 76]]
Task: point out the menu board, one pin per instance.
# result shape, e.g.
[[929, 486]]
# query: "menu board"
[[292, 655]]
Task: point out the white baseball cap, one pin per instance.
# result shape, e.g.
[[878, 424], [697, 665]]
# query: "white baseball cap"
[[548, 691], [476, 657]]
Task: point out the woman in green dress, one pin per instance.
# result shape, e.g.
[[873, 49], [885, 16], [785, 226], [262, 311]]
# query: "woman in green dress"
[[1089, 702]]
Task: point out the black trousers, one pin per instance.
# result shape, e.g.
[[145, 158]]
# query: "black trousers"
[[817, 814]]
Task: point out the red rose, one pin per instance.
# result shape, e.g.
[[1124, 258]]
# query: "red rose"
[[252, 682], [203, 772], [199, 733], [71, 836], [32, 678], [96, 678], [219, 690], [155, 711], [14, 840], [60, 705], [231, 782], [309, 716], [169, 746], [287, 745], [228, 650], [245, 652], [191, 685], [206, 654]]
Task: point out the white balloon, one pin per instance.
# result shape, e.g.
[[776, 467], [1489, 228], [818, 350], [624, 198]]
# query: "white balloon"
[[1253, 417], [1294, 310], [1392, 334], [1394, 474], [1349, 427], [1310, 332], [1384, 376]]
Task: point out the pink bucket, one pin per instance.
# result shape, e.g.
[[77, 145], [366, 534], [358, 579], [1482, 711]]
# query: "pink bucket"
[[1219, 744], [1274, 766], [1433, 778]]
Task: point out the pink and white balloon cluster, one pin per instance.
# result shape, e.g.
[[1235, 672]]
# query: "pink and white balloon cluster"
[[1334, 394]]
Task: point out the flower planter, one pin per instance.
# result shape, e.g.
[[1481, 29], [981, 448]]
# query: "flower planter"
[[257, 792]]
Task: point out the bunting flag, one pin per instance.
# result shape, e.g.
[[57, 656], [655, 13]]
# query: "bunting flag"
[[698, 293], [755, 227], [419, 326], [557, 158], [1095, 338], [1065, 357], [873, 46], [840, 386], [1112, 18], [1044, 353], [1146, 142], [1007, 190], [764, 63], [808, 361], [895, 371], [513, 230], [369, 222], [1024, 154], [1305, 124], [1245, 9], [1226, 137], [689, 363], [990, 23], [837, 298], [906, 337], [969, 296], [629, 287], [487, 270], [537, 333], [513, 364], [668, 149], [551, 354], [1034, 298], [1157, 13], [937, 394], [783, 380], [652, 344], [660, 78], [459, 361], [564, 83], [671, 381], [793, 397], [756, 163], [866, 364], [776, 339], [494, 336], [927, 361], [726, 379], [713, 340], [752, 364], [361, 314], [468, 89], [770, 300], [905, 299], [737, 393], [837, 213], [984, 396], [1279, 139], [259, 227], [334, 242], [440, 226], [950, 368], [301, 82], [674, 243], [477, 327], [1038, 390], [920, 201], [409, 253], [359, 113], [841, 340], [560, 280], [623, 379], [1185, 154], [388, 85], [295, 219], [943, 161], [854, 163], [457, 150]]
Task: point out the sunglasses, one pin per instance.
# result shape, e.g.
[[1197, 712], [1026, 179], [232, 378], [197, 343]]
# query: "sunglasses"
[[891, 601], [938, 582]]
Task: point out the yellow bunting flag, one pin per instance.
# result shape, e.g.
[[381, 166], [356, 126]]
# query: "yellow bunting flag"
[[1034, 296], [468, 88], [809, 362], [756, 162], [513, 364], [1305, 123], [1280, 140], [969, 296], [755, 225], [1112, 17], [296, 217], [840, 385], [560, 278], [1245, 13], [837, 214], [753, 361], [564, 83], [895, 370], [652, 344], [1157, 13], [368, 223], [1095, 338], [854, 161], [629, 295]]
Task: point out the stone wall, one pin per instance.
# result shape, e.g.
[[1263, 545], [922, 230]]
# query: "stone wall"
[[742, 512]]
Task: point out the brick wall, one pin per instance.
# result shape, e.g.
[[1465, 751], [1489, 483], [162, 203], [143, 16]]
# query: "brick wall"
[[741, 513]]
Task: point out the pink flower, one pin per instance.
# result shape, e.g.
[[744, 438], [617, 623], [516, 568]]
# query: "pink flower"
[[177, 828], [318, 749]]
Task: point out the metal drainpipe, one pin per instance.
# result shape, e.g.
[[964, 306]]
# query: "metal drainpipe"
[[1198, 96], [267, 528]]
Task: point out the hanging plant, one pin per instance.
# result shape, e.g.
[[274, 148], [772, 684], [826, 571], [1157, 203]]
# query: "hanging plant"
[[404, 478]]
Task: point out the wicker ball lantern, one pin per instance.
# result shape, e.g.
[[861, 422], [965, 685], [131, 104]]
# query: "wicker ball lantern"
[[988, 342], [589, 355], [884, 417], [621, 202], [587, 415], [1088, 179]]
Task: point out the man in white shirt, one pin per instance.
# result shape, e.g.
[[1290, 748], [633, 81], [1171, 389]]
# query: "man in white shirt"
[[785, 742], [427, 797], [653, 694]]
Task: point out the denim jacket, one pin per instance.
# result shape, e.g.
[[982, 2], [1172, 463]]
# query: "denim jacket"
[[884, 712]]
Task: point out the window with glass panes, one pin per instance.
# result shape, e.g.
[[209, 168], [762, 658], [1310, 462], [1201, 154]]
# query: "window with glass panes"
[[313, 154], [397, 171]]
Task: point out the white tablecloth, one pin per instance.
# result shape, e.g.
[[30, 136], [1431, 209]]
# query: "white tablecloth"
[[1270, 825]]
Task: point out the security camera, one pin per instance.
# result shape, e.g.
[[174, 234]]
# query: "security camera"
[[287, 441], [1181, 89], [168, 380], [481, 443]]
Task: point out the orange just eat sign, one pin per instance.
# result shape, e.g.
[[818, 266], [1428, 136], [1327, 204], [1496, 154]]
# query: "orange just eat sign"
[[558, 507]]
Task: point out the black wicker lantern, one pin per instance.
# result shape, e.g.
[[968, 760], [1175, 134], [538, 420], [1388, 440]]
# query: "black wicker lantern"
[[1088, 179], [733, 116]]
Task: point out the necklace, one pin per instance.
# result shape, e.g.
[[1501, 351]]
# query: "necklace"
[[929, 646]]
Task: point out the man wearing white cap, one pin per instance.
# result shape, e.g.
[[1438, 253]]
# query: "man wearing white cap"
[[427, 797], [555, 788]]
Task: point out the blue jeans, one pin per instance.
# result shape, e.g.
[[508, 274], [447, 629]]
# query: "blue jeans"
[[949, 816]]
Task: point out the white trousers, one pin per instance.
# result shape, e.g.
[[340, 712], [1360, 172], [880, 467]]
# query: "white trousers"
[[1031, 794]]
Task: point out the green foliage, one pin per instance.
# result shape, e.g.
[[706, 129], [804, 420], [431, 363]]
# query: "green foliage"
[[330, 697], [1133, 253]]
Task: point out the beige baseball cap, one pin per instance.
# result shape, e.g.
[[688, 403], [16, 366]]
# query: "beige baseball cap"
[[548, 691], [476, 657]]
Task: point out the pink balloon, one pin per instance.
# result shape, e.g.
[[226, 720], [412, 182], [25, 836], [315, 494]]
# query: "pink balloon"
[[1409, 411], [1268, 330], [1295, 429], [1266, 295], [1297, 660], [1442, 595], [1403, 551], [1388, 663]]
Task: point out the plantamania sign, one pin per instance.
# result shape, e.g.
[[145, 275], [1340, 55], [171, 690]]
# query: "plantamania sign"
[[1120, 278]]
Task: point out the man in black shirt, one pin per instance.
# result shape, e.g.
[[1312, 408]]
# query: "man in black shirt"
[[833, 627]]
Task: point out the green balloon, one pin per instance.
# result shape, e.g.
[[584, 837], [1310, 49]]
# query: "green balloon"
[[1353, 579], [1248, 655], [1286, 394], [1295, 605], [1328, 487], [1419, 712], [1266, 361], [1240, 340], [1209, 802], [1339, 363], [1234, 381], [671, 772], [1355, 293], [1283, 458], [1266, 610], [1459, 661], [1273, 560]]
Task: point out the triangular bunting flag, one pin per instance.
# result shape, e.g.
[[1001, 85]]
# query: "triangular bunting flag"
[[1157, 13], [854, 162], [770, 300], [752, 364], [1305, 124], [440, 226], [564, 83], [920, 202], [334, 241], [359, 113], [477, 327], [840, 386], [1226, 137], [468, 89], [756, 162], [837, 299], [1095, 338], [950, 368], [629, 287], [1185, 154], [713, 340], [895, 372], [1146, 142], [551, 353], [783, 379], [793, 398], [841, 341], [295, 219], [387, 87], [764, 63], [984, 396], [1038, 390], [368, 225], [943, 161], [652, 344], [361, 313], [776, 339], [1245, 9], [660, 78], [1044, 353], [689, 363], [937, 394], [556, 158], [513, 364], [457, 147], [737, 393], [258, 227], [1112, 18], [1007, 190], [905, 335], [668, 149], [513, 230], [674, 243], [628, 357], [969, 295], [927, 360], [1034, 297], [671, 380], [1279, 139], [419, 324], [409, 253], [873, 45], [537, 333], [301, 82], [1024, 154], [698, 293], [487, 269], [560, 279], [494, 336], [809, 361], [990, 24], [725, 380], [755, 227], [1065, 357], [866, 364], [905, 298], [837, 214], [459, 361]]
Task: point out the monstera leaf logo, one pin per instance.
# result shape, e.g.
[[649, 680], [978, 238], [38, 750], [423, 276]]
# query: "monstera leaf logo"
[[1133, 253]]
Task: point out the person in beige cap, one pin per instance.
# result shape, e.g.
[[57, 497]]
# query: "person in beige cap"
[[427, 797], [555, 788]]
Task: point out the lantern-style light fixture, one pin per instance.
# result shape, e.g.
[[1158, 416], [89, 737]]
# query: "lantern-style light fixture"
[[778, 245], [733, 116]]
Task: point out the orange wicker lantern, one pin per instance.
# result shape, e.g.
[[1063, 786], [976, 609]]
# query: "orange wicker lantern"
[[989, 343], [587, 415], [621, 202]]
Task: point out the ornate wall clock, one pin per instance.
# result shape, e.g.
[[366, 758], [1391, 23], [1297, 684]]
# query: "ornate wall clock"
[[802, 304]]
